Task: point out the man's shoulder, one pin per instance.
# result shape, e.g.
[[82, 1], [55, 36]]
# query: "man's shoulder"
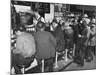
[[26, 35], [48, 33]]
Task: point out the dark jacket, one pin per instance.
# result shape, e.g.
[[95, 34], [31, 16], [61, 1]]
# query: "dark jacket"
[[85, 36], [59, 35], [69, 37], [45, 45], [76, 32]]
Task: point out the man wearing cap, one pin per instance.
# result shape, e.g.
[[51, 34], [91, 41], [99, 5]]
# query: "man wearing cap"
[[69, 37], [81, 45], [59, 35], [45, 45]]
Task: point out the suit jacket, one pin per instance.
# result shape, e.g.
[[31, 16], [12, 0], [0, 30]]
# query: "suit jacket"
[[59, 35], [45, 45], [85, 36]]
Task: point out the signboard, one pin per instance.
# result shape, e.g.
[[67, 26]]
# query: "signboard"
[[20, 8]]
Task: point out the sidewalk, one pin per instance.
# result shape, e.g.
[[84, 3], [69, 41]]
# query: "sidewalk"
[[62, 64], [87, 66]]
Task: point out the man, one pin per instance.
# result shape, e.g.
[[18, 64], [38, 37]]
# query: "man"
[[92, 42], [75, 27], [28, 19], [69, 38], [59, 35], [45, 44], [47, 27], [81, 45], [25, 50]]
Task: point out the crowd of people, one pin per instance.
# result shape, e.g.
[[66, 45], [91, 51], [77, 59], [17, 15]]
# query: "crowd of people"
[[34, 38]]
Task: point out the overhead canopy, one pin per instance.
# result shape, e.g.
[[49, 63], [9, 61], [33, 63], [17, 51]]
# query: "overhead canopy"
[[87, 8], [82, 8], [83, 2]]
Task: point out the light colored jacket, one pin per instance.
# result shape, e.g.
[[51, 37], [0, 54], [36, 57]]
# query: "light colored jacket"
[[25, 45], [92, 39]]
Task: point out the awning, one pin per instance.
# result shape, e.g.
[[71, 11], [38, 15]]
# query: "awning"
[[82, 2], [86, 8]]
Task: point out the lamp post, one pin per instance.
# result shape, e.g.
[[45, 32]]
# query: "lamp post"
[[83, 9]]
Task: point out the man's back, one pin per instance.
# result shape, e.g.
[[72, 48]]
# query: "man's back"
[[45, 44], [25, 45]]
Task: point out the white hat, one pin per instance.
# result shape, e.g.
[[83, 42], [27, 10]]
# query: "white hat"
[[87, 20], [85, 15], [42, 19], [94, 20]]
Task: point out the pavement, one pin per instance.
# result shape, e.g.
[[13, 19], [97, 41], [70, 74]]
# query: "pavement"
[[69, 66], [62, 64], [87, 66]]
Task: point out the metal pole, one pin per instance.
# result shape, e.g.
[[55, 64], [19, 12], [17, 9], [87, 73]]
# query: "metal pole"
[[83, 10], [66, 59], [42, 65], [69, 8], [23, 69], [56, 60]]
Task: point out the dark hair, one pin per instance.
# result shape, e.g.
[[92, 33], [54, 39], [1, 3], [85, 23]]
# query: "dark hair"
[[30, 21], [54, 20], [40, 25], [63, 23], [20, 28]]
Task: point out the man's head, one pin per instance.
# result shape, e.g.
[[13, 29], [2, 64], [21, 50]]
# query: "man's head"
[[20, 30], [26, 18], [85, 16], [84, 24], [54, 24], [40, 26], [61, 22], [93, 21], [66, 24]]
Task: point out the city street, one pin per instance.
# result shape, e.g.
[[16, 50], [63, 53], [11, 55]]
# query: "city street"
[[69, 66], [87, 66]]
